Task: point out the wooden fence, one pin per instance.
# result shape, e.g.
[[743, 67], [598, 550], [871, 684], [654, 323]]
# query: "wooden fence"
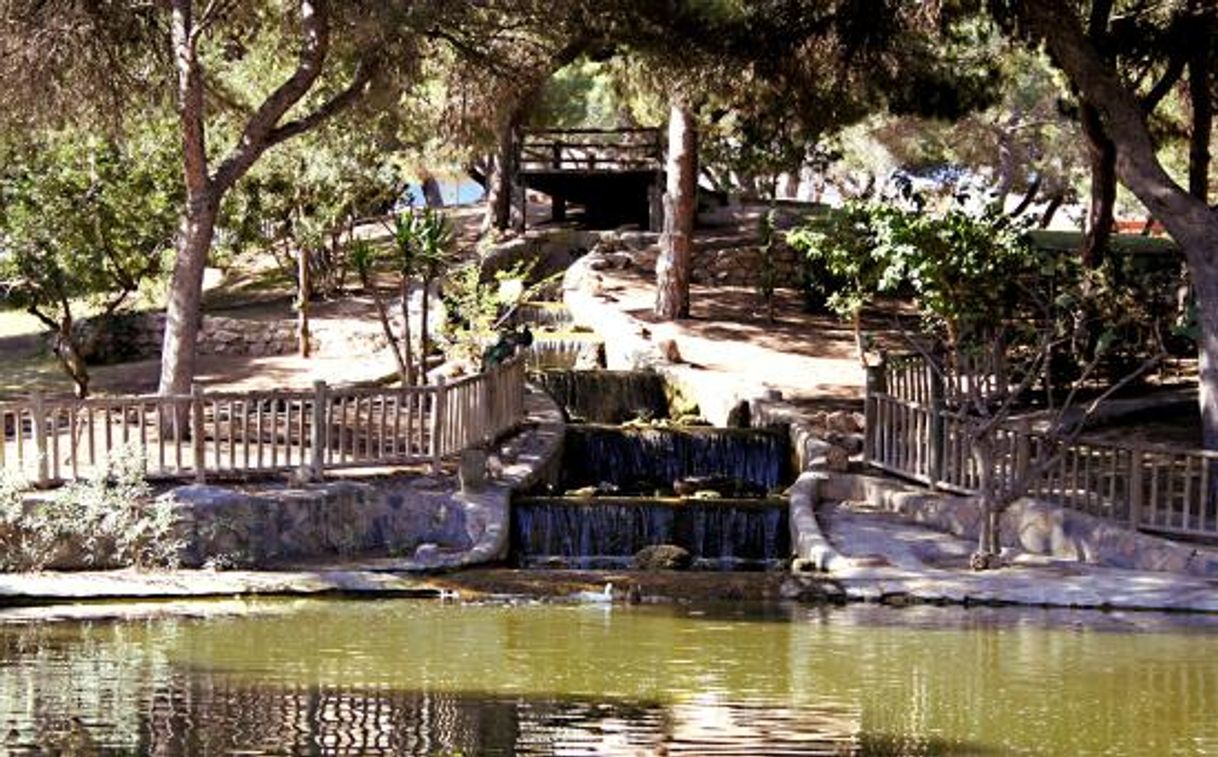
[[589, 150], [204, 434], [914, 431]]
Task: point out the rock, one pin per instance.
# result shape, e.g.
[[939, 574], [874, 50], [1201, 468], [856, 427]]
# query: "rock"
[[852, 443], [821, 455], [843, 422], [669, 351], [662, 557], [427, 554], [590, 357], [739, 416]]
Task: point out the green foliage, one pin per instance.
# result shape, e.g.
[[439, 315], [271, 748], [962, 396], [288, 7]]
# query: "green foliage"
[[85, 220], [110, 519], [974, 276], [959, 266], [478, 309], [306, 196], [423, 241]]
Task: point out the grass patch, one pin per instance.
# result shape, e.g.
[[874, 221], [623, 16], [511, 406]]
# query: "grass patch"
[[1121, 244]]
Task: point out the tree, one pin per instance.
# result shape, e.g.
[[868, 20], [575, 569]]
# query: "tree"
[[680, 207], [1187, 218], [277, 118], [85, 221]]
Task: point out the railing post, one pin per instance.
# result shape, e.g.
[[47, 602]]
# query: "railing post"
[[438, 411], [876, 383], [38, 413], [488, 419], [196, 432], [1135, 488], [935, 367], [317, 432]]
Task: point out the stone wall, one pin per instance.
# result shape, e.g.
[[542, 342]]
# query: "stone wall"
[[137, 336], [732, 262], [741, 265]]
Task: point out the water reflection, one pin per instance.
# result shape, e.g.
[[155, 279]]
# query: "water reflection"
[[410, 677]]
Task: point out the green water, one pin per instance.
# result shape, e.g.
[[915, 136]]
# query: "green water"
[[422, 677]]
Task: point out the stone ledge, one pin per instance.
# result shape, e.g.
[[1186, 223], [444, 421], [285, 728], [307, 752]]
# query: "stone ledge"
[[1029, 525]]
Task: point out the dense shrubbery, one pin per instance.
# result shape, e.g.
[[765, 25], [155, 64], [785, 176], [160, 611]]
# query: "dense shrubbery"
[[110, 520], [978, 276]]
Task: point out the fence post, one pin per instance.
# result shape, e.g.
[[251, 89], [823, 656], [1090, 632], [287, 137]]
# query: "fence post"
[[876, 383], [317, 433], [1135, 488], [936, 365], [196, 432], [488, 418], [38, 413], [438, 410]]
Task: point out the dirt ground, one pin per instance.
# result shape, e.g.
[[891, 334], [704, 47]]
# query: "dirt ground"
[[810, 358]]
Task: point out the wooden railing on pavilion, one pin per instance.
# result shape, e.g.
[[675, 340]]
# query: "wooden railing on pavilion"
[[915, 431], [590, 150], [207, 434]]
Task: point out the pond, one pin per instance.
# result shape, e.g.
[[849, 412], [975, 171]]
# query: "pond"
[[424, 677]]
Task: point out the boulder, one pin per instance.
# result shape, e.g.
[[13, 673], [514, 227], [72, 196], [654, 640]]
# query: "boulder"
[[662, 557]]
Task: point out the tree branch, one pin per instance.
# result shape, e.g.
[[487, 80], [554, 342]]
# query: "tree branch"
[[254, 140]]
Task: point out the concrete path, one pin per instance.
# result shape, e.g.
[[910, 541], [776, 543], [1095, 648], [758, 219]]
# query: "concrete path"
[[887, 558]]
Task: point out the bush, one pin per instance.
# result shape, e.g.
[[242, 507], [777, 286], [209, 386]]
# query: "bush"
[[110, 520]]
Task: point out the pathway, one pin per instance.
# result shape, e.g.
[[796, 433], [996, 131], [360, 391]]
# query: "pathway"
[[888, 558]]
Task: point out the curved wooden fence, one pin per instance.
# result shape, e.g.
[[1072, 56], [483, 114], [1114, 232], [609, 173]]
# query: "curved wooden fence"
[[914, 431], [209, 434]]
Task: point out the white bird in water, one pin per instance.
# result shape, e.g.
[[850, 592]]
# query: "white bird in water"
[[605, 595]]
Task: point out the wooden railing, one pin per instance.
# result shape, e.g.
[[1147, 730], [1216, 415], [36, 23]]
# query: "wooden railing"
[[916, 435], [590, 150], [206, 434]]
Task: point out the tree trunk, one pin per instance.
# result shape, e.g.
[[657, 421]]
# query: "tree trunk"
[[407, 348], [1101, 153], [1055, 203], [184, 312], [502, 172], [303, 292], [71, 359], [1202, 117], [431, 191], [264, 128], [1189, 221], [424, 341], [680, 206]]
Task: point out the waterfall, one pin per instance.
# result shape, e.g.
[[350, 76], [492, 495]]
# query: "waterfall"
[[647, 460], [607, 396], [606, 532]]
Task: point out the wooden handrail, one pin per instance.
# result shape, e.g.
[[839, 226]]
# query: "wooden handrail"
[[203, 434]]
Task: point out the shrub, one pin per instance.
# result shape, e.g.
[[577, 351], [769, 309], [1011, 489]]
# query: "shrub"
[[111, 518]]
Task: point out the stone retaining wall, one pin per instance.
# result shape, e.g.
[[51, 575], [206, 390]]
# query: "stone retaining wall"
[[407, 522], [737, 263], [137, 336]]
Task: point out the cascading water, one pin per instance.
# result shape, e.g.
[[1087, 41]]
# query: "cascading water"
[[650, 460], [606, 396], [607, 532], [625, 488]]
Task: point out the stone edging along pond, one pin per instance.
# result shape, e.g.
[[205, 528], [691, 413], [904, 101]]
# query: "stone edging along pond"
[[1028, 525], [427, 518]]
